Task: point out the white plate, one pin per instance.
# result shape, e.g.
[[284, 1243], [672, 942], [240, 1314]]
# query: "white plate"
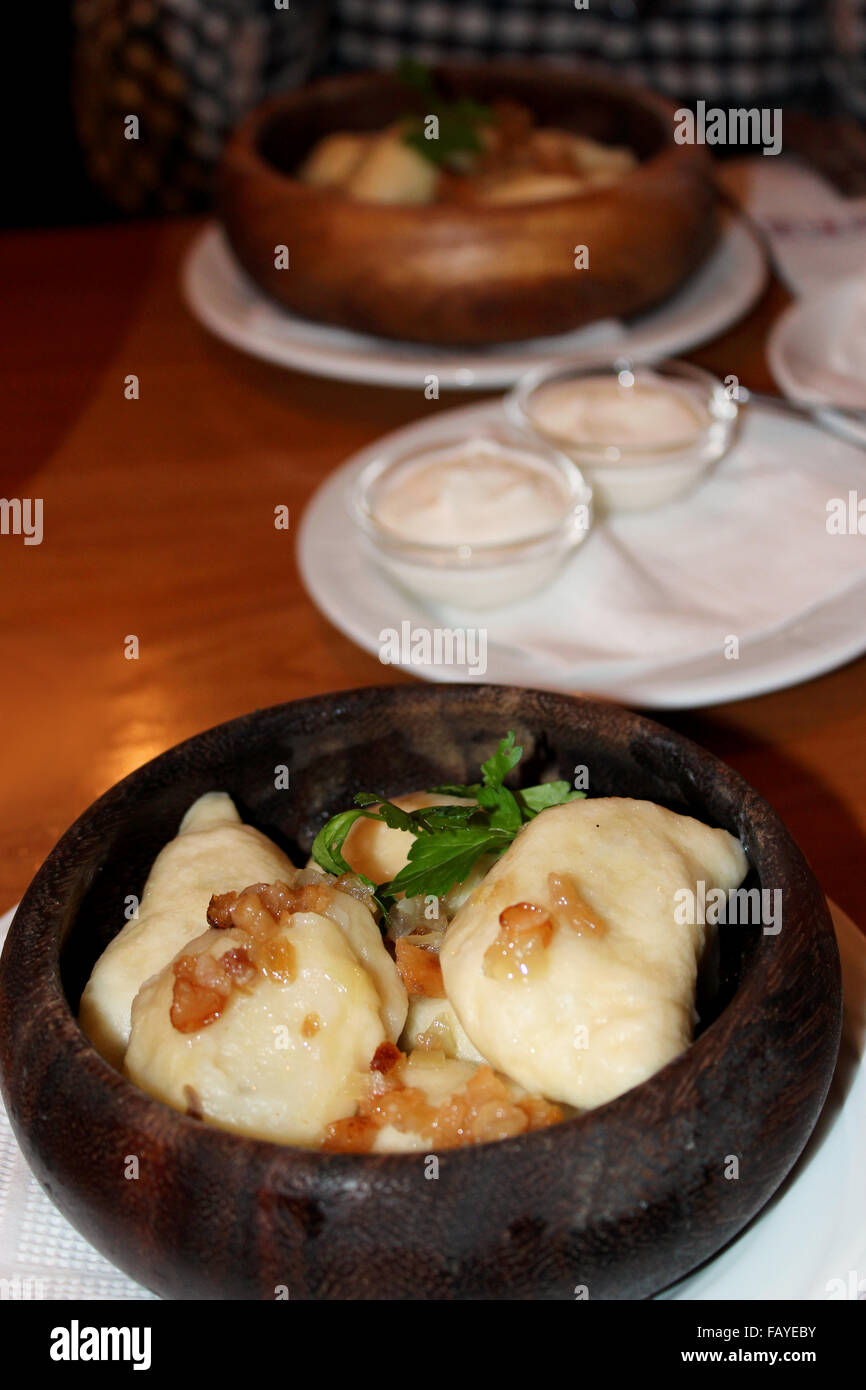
[[363, 602], [813, 1230], [817, 354], [227, 302]]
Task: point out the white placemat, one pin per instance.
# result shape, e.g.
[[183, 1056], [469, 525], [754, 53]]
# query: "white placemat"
[[41, 1255]]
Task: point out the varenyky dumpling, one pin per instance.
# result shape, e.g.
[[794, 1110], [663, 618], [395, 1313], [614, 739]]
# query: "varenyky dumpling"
[[373, 848], [380, 852], [331, 162], [432, 1023], [376, 850], [567, 967], [212, 852], [390, 171], [267, 1024]]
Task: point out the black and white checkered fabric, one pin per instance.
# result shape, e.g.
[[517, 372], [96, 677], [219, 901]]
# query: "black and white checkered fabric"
[[190, 69], [727, 52]]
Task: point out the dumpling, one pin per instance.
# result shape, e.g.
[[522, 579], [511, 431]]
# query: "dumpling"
[[390, 171], [432, 1023], [268, 1026], [334, 158], [526, 186], [212, 852], [601, 161], [373, 848], [567, 967]]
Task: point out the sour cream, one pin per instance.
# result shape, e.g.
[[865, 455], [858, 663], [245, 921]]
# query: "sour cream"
[[479, 494], [619, 411], [640, 436], [477, 521]]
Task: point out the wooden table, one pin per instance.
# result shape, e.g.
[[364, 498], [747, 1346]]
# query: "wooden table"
[[158, 517]]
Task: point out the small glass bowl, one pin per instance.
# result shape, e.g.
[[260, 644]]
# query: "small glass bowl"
[[626, 475], [465, 572]]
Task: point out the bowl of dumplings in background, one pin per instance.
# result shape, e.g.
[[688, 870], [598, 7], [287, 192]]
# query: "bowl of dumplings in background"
[[391, 994], [478, 203]]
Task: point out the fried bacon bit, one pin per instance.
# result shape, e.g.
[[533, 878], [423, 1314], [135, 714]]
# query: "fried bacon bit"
[[540, 1112], [355, 1135], [237, 965], [525, 931], [203, 984], [439, 1037], [259, 907], [310, 1026], [193, 1103], [506, 137], [193, 1004], [482, 1111], [220, 908], [277, 959], [386, 1057], [572, 907], [419, 969]]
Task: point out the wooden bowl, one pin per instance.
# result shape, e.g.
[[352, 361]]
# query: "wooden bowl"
[[450, 274], [623, 1200]]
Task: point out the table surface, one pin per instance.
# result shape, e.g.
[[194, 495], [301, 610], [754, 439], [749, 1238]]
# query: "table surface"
[[159, 523]]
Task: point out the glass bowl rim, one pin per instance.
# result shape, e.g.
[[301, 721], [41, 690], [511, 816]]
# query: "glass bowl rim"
[[592, 452], [465, 555]]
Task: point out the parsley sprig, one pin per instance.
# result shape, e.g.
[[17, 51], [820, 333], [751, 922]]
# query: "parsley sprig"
[[448, 839], [459, 120]]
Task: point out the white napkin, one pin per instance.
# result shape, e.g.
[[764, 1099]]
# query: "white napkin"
[[744, 555], [816, 235], [41, 1255]]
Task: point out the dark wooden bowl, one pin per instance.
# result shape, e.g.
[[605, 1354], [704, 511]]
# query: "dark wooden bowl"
[[447, 274], [624, 1199]]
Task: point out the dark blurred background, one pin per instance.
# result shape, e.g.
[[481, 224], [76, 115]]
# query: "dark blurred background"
[[189, 69]]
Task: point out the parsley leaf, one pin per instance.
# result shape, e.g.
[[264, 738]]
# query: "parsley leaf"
[[535, 799], [458, 135], [458, 789], [393, 816], [437, 862], [458, 120], [497, 768], [329, 842], [431, 819], [448, 839]]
